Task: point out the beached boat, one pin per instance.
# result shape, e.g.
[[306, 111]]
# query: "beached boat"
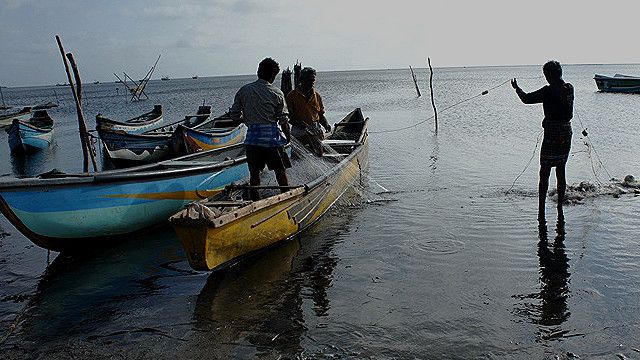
[[153, 145], [6, 119], [618, 83], [217, 231], [221, 132], [31, 135], [136, 125], [70, 212]]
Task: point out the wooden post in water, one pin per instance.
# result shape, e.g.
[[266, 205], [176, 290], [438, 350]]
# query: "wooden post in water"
[[87, 149], [285, 82], [4, 106], [415, 81], [433, 103], [297, 68]]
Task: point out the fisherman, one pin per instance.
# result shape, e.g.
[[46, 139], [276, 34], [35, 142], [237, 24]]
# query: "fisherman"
[[261, 106], [557, 103], [306, 111]]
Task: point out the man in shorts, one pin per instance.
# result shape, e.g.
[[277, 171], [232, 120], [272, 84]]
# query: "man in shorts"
[[262, 107]]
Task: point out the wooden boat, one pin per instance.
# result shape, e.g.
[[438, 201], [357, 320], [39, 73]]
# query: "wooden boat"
[[32, 135], [217, 231], [69, 212], [221, 132], [618, 83], [136, 125], [151, 146], [165, 78], [22, 114]]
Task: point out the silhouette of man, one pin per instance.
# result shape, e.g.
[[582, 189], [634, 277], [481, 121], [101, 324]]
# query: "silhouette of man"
[[557, 103], [306, 111], [261, 106]]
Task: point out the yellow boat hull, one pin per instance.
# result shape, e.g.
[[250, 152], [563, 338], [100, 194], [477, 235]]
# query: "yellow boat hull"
[[213, 242]]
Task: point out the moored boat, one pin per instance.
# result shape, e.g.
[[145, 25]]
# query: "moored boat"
[[136, 125], [153, 145], [219, 230], [70, 212], [618, 83], [31, 135], [223, 131], [22, 114]]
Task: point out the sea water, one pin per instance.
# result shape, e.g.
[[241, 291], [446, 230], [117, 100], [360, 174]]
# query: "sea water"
[[438, 255]]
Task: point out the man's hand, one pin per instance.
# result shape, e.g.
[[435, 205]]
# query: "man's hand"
[[514, 84], [327, 127]]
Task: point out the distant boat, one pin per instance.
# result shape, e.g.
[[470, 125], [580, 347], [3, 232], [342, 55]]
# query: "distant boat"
[[165, 78], [32, 135], [136, 125], [72, 212], [618, 83], [96, 82], [194, 77], [22, 114]]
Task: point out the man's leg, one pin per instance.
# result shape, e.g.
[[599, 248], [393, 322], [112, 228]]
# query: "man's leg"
[[254, 180], [561, 184], [543, 186], [281, 176]]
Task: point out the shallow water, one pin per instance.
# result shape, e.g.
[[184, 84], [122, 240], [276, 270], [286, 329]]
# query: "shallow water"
[[431, 259]]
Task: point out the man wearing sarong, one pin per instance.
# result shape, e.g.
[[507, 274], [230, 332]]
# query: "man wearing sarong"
[[306, 112], [557, 103], [261, 106]]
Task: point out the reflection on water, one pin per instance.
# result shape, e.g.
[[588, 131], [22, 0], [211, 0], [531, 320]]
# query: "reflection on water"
[[554, 277]]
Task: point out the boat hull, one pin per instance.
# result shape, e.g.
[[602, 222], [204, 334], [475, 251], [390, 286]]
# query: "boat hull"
[[195, 140], [121, 146], [7, 120], [210, 245], [618, 84], [26, 138], [69, 214]]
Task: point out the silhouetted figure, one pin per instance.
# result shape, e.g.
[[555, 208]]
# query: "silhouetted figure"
[[261, 106], [306, 111], [557, 102], [554, 277]]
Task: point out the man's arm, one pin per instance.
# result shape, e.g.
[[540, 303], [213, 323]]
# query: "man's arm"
[[323, 120], [235, 112]]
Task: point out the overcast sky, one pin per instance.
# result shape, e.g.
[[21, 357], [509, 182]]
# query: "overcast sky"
[[228, 37]]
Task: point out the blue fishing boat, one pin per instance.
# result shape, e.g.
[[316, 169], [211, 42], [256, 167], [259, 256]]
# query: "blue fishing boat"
[[136, 125], [223, 131], [32, 135], [70, 212], [124, 148]]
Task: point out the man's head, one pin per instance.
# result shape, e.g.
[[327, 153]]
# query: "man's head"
[[268, 69], [552, 71], [307, 77]]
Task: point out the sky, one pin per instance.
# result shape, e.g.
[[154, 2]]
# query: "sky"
[[230, 37]]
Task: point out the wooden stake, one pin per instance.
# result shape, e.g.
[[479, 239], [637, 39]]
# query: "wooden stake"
[[415, 81], [433, 103], [297, 68], [84, 136], [285, 82]]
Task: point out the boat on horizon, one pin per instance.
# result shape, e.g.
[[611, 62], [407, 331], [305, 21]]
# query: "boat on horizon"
[[165, 78], [220, 230], [618, 83]]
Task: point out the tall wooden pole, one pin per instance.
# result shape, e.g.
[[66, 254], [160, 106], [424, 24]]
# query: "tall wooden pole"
[[77, 96], [433, 103], [415, 81], [2, 96]]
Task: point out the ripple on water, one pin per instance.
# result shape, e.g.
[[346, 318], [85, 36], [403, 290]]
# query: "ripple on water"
[[437, 246]]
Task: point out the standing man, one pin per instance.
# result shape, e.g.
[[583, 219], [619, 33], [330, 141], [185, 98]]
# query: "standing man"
[[557, 103], [306, 111], [261, 106]]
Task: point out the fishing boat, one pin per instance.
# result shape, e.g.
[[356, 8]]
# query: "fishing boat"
[[218, 231], [221, 132], [22, 114], [70, 212], [153, 145], [165, 78], [618, 83], [32, 135], [136, 125]]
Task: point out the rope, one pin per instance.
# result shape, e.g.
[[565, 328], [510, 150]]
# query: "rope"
[[528, 163], [590, 147]]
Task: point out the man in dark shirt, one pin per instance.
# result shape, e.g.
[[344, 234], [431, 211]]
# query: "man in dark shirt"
[[557, 103]]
